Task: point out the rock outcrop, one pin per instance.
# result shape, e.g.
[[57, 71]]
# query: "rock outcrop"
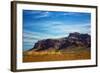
[[73, 40]]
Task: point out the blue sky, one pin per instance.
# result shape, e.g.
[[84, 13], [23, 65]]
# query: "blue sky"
[[38, 25]]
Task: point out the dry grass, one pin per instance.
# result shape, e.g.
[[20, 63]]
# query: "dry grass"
[[32, 56]]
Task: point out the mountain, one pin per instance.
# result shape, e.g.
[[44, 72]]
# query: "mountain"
[[72, 41]]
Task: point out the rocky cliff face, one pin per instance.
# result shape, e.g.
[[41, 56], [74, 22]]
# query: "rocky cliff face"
[[73, 40]]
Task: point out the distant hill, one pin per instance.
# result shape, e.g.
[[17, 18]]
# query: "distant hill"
[[74, 40]]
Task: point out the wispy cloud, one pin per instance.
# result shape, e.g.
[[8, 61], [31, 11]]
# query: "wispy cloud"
[[72, 13], [43, 14], [60, 28]]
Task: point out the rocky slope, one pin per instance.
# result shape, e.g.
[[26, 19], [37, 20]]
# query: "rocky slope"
[[73, 40]]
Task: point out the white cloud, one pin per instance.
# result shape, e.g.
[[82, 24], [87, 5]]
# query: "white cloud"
[[43, 14], [63, 29], [69, 13]]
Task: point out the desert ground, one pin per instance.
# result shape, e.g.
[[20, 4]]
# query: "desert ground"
[[73, 54]]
